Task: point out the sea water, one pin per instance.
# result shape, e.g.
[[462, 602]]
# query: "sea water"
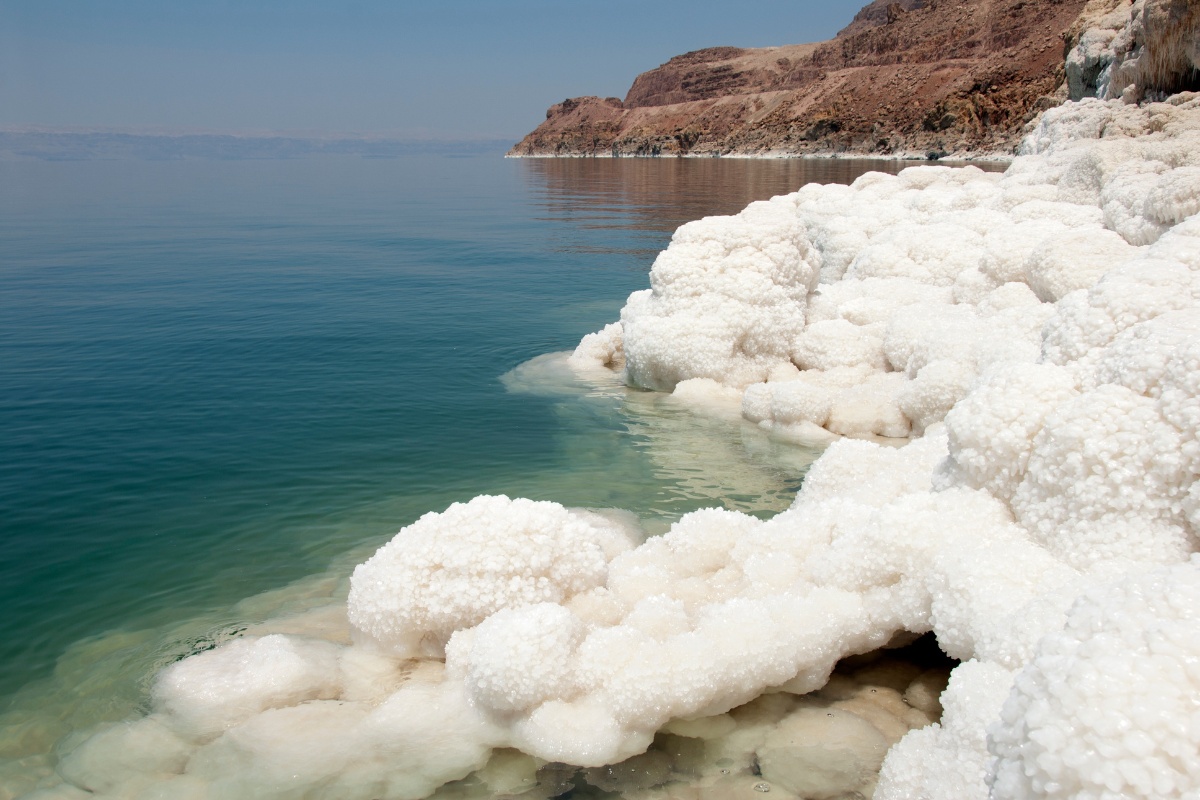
[[220, 377]]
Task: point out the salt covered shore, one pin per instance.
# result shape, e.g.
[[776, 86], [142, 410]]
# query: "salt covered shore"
[[1036, 337], [1039, 330]]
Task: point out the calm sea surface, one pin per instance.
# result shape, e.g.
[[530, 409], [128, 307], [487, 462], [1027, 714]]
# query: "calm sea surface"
[[219, 377]]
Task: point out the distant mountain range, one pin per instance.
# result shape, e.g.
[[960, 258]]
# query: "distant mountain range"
[[104, 145]]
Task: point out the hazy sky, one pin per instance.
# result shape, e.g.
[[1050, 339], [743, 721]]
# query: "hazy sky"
[[447, 68]]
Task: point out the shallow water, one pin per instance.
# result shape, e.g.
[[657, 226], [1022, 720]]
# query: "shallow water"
[[217, 378]]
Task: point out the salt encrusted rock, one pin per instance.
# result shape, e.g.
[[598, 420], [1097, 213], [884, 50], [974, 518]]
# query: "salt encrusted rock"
[[604, 348], [1076, 260], [820, 753], [106, 760], [991, 430], [1105, 481], [203, 695], [451, 570], [728, 297], [424, 735], [1149, 48], [949, 759], [519, 657], [1107, 706]]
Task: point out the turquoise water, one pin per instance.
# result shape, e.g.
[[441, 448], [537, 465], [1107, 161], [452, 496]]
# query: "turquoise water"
[[219, 377]]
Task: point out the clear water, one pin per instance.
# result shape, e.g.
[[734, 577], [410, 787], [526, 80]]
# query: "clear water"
[[219, 377]]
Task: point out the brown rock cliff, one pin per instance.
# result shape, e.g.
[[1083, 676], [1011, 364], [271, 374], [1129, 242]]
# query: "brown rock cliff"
[[912, 77]]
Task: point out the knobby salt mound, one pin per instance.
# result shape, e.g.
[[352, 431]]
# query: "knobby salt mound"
[[1036, 333]]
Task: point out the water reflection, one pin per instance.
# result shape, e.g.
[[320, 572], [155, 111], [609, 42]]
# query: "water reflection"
[[660, 194]]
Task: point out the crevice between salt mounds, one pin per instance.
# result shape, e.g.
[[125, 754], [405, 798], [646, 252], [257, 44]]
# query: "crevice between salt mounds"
[[829, 743]]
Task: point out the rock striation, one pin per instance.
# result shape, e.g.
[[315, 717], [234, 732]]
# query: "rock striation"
[[903, 78]]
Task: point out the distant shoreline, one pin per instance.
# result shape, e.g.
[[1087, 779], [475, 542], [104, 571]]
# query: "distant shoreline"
[[951, 158]]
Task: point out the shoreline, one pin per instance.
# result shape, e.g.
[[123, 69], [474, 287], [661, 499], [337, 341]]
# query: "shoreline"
[[951, 158]]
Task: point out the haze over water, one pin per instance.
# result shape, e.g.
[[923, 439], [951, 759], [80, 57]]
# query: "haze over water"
[[218, 377]]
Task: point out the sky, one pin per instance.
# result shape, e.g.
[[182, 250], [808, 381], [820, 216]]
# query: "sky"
[[447, 69]]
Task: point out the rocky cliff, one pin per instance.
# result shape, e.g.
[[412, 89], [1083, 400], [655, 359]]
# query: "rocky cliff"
[[913, 77]]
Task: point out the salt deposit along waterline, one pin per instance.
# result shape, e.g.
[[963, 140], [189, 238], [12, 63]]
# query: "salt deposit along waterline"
[[1036, 336]]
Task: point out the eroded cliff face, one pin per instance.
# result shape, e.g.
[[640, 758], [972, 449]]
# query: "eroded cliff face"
[[904, 78]]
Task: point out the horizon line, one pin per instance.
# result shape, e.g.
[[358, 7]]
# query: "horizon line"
[[257, 133]]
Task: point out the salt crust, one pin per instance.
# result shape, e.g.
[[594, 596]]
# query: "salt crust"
[[1038, 329], [423, 586], [1132, 50]]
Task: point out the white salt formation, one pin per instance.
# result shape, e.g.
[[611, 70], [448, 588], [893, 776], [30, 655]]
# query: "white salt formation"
[[1151, 47], [1036, 333], [451, 571]]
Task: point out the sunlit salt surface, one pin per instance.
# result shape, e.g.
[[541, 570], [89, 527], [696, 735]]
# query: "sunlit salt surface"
[[235, 380]]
